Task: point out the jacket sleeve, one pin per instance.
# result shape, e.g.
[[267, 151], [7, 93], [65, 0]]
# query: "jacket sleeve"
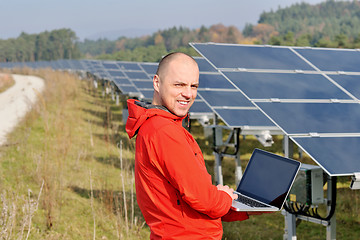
[[232, 216], [185, 169]]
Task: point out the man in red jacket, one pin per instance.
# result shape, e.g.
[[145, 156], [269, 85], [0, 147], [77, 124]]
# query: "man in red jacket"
[[174, 190]]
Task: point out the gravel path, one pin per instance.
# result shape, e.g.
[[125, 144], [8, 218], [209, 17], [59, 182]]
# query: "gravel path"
[[16, 101]]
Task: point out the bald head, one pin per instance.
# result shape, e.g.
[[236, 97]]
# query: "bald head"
[[174, 58], [176, 82]]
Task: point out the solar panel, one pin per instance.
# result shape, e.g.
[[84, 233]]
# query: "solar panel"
[[304, 92], [328, 59], [137, 75], [109, 65], [200, 107], [128, 66], [121, 81], [149, 68], [257, 57], [204, 65], [216, 81], [114, 73], [285, 85], [225, 98], [337, 155], [143, 84], [305, 118], [243, 118], [148, 94], [349, 82]]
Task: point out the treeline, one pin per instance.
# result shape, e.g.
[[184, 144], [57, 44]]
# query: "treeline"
[[332, 23], [328, 24], [54, 45], [151, 48]]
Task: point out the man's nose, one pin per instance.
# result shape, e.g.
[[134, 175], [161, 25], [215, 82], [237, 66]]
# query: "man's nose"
[[187, 92]]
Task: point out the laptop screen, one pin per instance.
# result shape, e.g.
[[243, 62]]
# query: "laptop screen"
[[268, 177]]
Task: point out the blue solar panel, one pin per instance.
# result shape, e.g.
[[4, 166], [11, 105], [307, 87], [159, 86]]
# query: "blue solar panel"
[[328, 59], [110, 65], [122, 81], [149, 68], [214, 81], [350, 82], [225, 98], [304, 118], [128, 66], [128, 89], [204, 65], [144, 84], [200, 107], [339, 156], [251, 57], [324, 130], [148, 94], [137, 75], [116, 73], [285, 85], [243, 117]]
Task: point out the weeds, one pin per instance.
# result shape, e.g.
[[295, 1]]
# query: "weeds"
[[53, 151], [12, 220]]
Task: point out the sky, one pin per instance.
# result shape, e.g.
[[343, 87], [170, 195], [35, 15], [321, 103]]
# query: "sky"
[[92, 19]]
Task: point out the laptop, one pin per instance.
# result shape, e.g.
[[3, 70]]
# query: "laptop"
[[266, 182]]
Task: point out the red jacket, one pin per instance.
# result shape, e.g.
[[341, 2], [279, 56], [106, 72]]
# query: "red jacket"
[[173, 188]]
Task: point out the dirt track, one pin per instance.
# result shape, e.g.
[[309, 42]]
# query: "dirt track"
[[16, 101]]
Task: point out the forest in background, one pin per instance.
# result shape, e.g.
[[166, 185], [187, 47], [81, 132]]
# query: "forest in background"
[[332, 23], [45, 46]]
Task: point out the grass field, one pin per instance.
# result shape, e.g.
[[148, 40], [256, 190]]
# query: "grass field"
[[67, 173]]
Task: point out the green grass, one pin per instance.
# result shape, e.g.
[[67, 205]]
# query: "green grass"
[[68, 144]]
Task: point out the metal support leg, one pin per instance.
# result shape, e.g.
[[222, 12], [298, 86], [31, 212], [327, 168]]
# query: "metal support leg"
[[238, 169], [290, 219], [331, 228], [218, 169], [290, 226], [117, 99], [288, 147]]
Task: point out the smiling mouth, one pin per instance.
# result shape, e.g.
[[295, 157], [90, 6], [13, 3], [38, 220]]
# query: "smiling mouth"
[[183, 102]]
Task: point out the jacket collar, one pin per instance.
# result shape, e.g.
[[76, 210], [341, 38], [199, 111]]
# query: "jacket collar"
[[139, 112]]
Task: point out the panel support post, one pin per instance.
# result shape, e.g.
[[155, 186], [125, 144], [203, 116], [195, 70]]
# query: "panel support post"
[[218, 169], [290, 219], [218, 142], [117, 99], [331, 227], [290, 226], [238, 169]]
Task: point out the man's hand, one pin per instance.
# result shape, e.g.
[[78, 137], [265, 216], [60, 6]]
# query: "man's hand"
[[228, 190]]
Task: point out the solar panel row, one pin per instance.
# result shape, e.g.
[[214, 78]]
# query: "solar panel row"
[[311, 94]]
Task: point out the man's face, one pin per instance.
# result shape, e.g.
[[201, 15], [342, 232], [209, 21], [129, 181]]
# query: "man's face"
[[177, 87]]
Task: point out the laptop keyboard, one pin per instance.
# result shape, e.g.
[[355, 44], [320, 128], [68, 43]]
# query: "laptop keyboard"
[[250, 202]]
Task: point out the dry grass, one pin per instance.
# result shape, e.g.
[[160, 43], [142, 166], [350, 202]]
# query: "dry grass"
[[69, 142], [6, 81]]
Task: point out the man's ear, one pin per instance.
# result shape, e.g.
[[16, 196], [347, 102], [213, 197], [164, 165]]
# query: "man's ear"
[[156, 82]]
